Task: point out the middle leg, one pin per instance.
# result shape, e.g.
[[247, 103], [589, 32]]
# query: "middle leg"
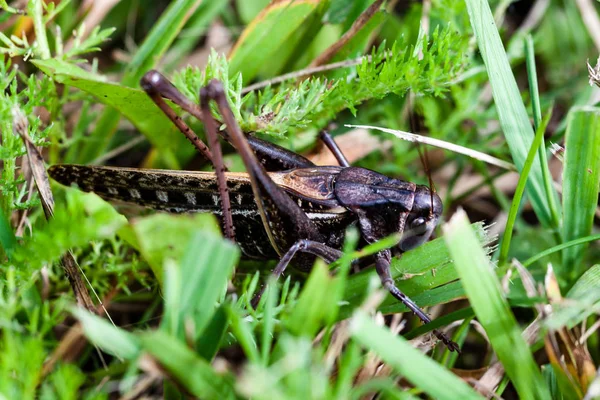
[[326, 253]]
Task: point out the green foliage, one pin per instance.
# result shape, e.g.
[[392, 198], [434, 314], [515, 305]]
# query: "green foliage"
[[511, 110], [581, 180], [315, 102], [491, 308], [96, 220], [421, 371]]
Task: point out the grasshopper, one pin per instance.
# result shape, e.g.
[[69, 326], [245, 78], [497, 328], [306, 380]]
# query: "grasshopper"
[[285, 206]]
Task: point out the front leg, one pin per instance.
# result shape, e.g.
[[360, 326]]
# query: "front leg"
[[382, 265]]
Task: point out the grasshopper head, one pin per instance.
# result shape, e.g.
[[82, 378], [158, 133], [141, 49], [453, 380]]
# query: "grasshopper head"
[[422, 219]]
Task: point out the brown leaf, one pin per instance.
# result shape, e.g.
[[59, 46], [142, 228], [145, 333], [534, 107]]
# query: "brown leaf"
[[42, 182]]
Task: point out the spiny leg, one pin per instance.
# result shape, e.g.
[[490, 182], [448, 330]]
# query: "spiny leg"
[[327, 139], [156, 85], [284, 221], [210, 126], [382, 265], [326, 253], [274, 157]]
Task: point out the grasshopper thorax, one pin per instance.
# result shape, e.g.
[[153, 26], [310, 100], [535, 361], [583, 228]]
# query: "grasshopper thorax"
[[422, 218]]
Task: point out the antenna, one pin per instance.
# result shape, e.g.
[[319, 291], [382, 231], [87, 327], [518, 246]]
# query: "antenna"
[[424, 158]]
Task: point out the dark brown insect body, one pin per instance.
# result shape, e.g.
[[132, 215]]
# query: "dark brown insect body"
[[320, 192], [284, 206]]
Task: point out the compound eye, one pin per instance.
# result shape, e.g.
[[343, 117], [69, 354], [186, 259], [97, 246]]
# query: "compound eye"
[[417, 223]]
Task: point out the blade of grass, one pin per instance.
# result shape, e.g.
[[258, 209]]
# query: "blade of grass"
[[109, 338], [491, 308], [511, 110], [416, 367], [537, 120], [268, 32], [243, 333], [192, 32], [206, 266], [560, 247], [7, 235], [35, 8], [412, 137], [194, 373], [315, 304], [514, 207], [271, 297], [155, 45], [192, 291], [584, 300], [581, 178]]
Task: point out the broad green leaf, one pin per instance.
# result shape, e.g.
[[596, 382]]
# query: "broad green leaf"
[[314, 305], [512, 113], [491, 308], [195, 374], [410, 363], [134, 104], [205, 267], [165, 236], [109, 338], [156, 43], [424, 274], [581, 180], [261, 39]]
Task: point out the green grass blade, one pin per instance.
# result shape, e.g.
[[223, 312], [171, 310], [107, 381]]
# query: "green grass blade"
[[206, 266], [155, 45], [491, 308], [537, 120], [581, 177], [109, 338], [511, 110], [315, 304], [133, 104], [514, 207], [7, 236], [271, 296], [560, 247], [194, 373], [192, 33], [267, 33], [193, 290], [243, 333], [209, 343], [416, 367], [583, 301]]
